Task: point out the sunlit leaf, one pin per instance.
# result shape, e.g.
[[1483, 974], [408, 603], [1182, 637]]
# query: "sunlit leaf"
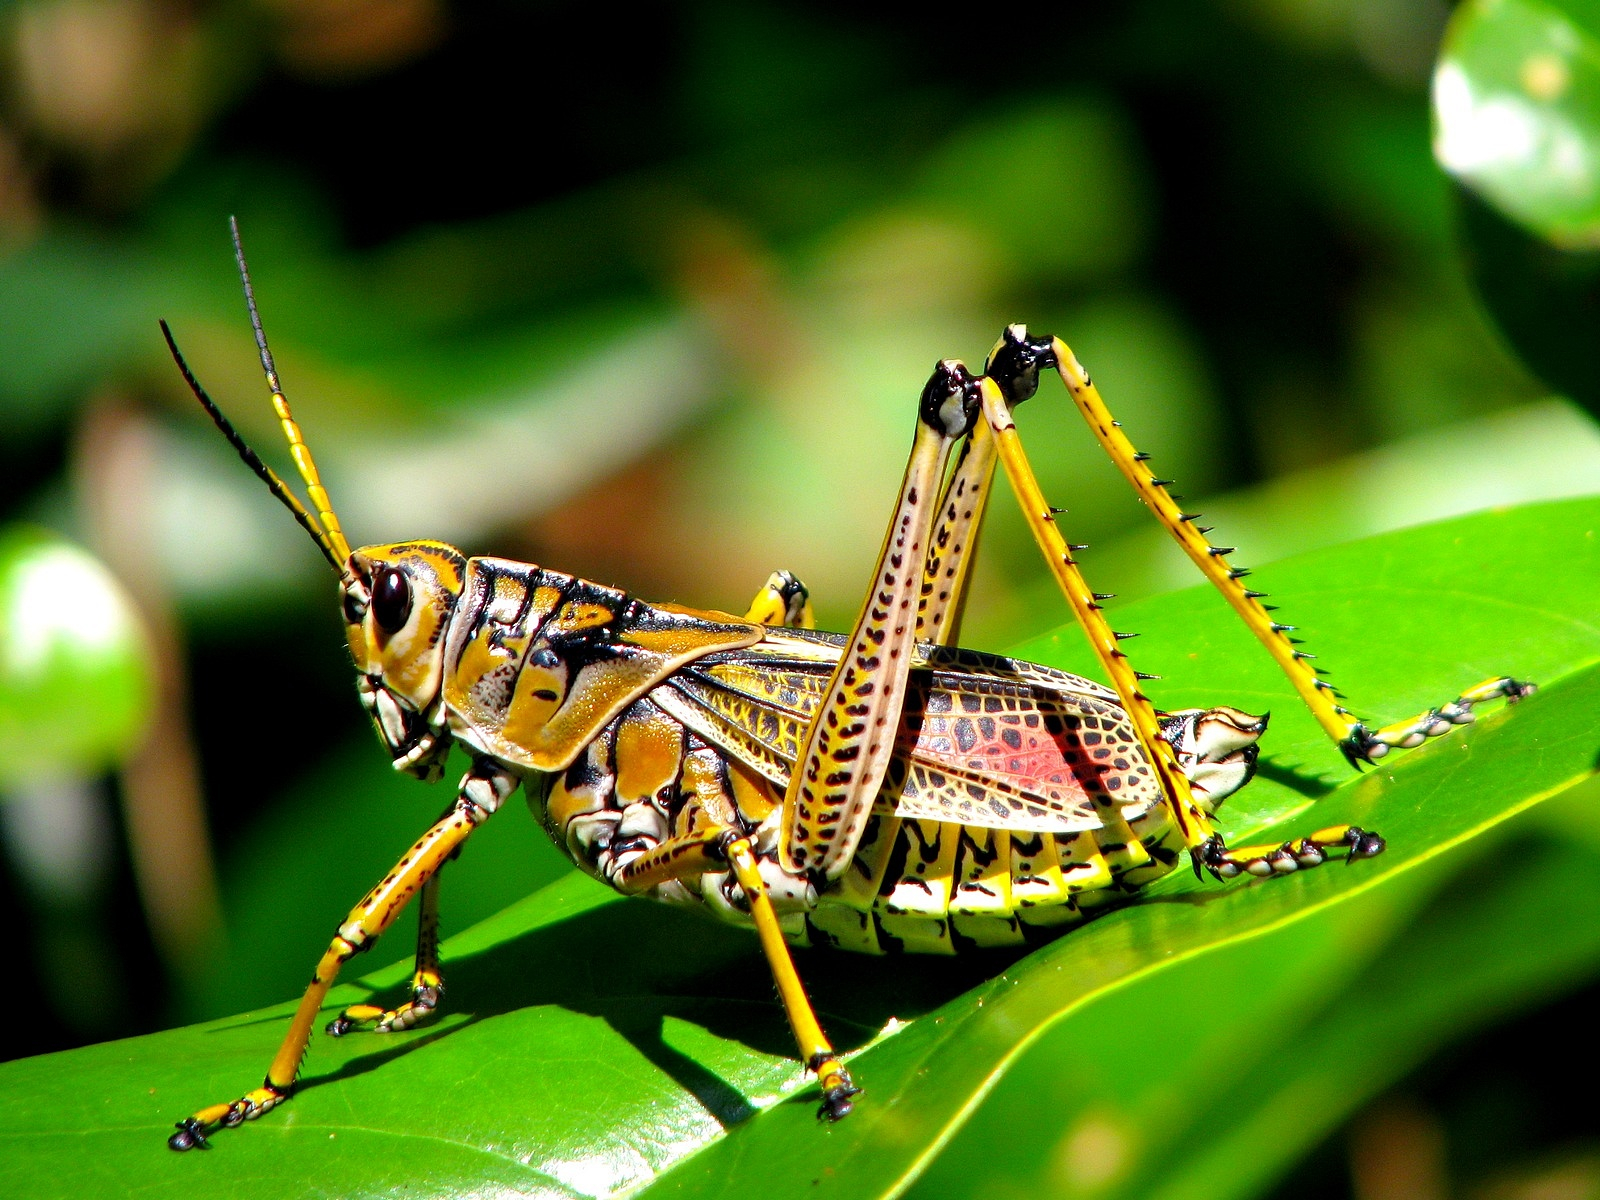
[[594, 1045], [1517, 927], [1301, 1026]]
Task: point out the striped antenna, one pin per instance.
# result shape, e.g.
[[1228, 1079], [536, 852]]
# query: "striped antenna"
[[334, 544], [251, 459]]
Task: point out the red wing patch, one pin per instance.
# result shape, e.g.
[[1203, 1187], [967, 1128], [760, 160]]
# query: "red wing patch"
[[992, 743], [987, 752]]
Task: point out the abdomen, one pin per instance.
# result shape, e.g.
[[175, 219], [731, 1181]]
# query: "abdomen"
[[915, 883]]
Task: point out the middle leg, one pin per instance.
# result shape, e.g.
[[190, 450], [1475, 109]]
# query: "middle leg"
[[427, 979], [782, 601], [717, 848]]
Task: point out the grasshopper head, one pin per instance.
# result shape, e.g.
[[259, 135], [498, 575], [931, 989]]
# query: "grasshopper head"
[[397, 598], [397, 602]]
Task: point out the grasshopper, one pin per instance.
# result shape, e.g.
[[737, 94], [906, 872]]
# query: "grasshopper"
[[876, 791]]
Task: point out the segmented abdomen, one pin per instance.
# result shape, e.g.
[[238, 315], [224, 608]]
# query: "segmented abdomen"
[[1017, 799]]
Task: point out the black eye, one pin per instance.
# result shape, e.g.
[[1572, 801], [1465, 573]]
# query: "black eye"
[[355, 609], [391, 600]]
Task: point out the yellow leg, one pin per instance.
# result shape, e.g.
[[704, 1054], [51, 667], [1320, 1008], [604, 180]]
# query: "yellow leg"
[[481, 793], [1190, 819], [954, 543], [782, 601], [427, 981], [1288, 857], [1012, 377], [1359, 744], [710, 849], [851, 738], [815, 1049], [1212, 561], [1405, 734]]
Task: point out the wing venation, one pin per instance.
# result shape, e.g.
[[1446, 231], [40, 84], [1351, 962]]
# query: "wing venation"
[[985, 741]]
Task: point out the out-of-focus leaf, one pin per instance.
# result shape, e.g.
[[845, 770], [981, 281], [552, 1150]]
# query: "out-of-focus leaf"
[[1020, 181], [1545, 299], [590, 1044], [71, 309], [75, 669], [503, 417], [1516, 101]]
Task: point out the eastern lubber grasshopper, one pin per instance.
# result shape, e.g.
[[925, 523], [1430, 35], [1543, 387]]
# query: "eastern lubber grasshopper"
[[878, 791]]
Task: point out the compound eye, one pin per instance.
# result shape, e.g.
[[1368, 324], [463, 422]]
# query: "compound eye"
[[391, 600]]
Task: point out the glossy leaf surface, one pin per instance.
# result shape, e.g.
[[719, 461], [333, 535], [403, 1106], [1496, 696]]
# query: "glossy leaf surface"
[[1302, 1027], [592, 1045]]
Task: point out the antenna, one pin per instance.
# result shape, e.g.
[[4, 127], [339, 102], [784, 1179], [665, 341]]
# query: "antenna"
[[251, 459], [333, 540]]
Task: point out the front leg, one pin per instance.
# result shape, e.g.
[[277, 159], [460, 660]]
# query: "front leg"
[[482, 790]]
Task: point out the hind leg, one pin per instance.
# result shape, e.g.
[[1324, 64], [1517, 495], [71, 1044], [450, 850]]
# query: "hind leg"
[[1293, 855], [1362, 745], [1358, 743], [1012, 377]]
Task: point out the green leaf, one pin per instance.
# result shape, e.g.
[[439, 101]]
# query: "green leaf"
[[76, 673], [593, 1045], [1508, 933], [1302, 1026], [1516, 102], [1545, 299]]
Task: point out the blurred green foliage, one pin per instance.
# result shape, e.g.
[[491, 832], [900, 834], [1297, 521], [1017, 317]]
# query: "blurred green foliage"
[[649, 300], [74, 663], [1516, 98], [1516, 101]]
